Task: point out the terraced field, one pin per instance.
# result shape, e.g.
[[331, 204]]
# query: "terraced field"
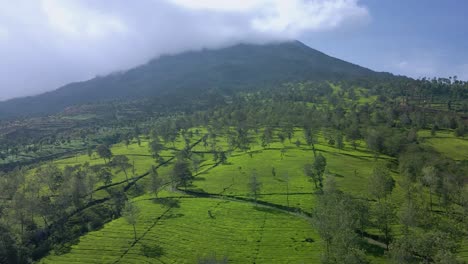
[[218, 216], [240, 231]]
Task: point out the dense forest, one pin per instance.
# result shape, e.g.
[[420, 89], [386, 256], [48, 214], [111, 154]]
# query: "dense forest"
[[70, 173]]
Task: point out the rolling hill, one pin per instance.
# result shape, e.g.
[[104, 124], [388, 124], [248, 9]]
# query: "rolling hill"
[[237, 67]]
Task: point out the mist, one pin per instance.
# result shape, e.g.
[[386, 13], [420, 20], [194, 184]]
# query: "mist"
[[48, 43]]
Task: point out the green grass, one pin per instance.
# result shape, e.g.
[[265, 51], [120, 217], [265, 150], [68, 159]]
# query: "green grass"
[[240, 231], [446, 143]]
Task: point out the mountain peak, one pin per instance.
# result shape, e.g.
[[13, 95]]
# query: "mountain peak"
[[236, 67]]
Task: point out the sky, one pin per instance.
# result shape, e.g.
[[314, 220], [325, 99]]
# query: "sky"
[[45, 44]]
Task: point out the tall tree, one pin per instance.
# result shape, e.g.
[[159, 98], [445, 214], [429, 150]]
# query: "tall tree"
[[255, 186], [430, 180], [319, 166], [104, 152], [334, 218], [130, 213], [156, 181], [181, 173], [122, 163], [381, 183]]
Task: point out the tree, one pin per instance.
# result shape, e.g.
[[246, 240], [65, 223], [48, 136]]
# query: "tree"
[[267, 137], [78, 185], [130, 213], [254, 186], [156, 182], [339, 141], [381, 183], [430, 180], [298, 143], [196, 161], [286, 181], [309, 136], [90, 151], [51, 176], [104, 152], [375, 142], [122, 163], [8, 247], [91, 181], [385, 216], [155, 147], [334, 218], [310, 172], [319, 166], [105, 175], [222, 157], [181, 173]]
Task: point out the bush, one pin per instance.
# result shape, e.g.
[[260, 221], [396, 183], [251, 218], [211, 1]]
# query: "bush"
[[155, 251]]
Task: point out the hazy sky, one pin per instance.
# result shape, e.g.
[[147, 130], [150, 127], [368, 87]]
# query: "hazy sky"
[[47, 43]]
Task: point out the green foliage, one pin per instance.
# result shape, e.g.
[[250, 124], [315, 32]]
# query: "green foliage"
[[181, 173], [104, 152], [152, 251]]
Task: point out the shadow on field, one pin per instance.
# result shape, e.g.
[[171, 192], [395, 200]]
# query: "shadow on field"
[[173, 216], [267, 210], [167, 202], [374, 250], [198, 178]]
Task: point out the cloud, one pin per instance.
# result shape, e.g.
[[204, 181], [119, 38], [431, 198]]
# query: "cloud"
[[47, 43], [74, 20], [287, 18]]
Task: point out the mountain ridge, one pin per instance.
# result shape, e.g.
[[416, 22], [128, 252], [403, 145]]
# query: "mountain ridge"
[[235, 67]]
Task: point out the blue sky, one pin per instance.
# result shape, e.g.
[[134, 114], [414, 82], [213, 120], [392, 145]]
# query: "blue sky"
[[415, 38], [45, 44]]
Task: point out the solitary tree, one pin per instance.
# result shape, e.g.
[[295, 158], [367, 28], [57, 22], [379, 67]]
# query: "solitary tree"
[[104, 152], [196, 161], [254, 186], [156, 182], [319, 166], [155, 147], [130, 213], [310, 172], [286, 181], [181, 173], [122, 163]]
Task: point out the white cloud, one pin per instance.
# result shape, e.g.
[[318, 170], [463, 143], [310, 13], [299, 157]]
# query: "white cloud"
[[54, 42], [221, 5], [75, 20], [287, 18]]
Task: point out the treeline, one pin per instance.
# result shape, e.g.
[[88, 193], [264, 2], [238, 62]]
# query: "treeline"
[[383, 117]]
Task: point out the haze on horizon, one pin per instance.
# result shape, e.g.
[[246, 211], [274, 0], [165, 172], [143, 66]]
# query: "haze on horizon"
[[45, 44]]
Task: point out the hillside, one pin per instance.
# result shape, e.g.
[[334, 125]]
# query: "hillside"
[[238, 67]]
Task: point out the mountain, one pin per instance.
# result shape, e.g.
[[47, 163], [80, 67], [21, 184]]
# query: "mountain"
[[237, 67]]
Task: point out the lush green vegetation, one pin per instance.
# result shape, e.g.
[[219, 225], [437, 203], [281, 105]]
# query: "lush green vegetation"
[[338, 171]]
